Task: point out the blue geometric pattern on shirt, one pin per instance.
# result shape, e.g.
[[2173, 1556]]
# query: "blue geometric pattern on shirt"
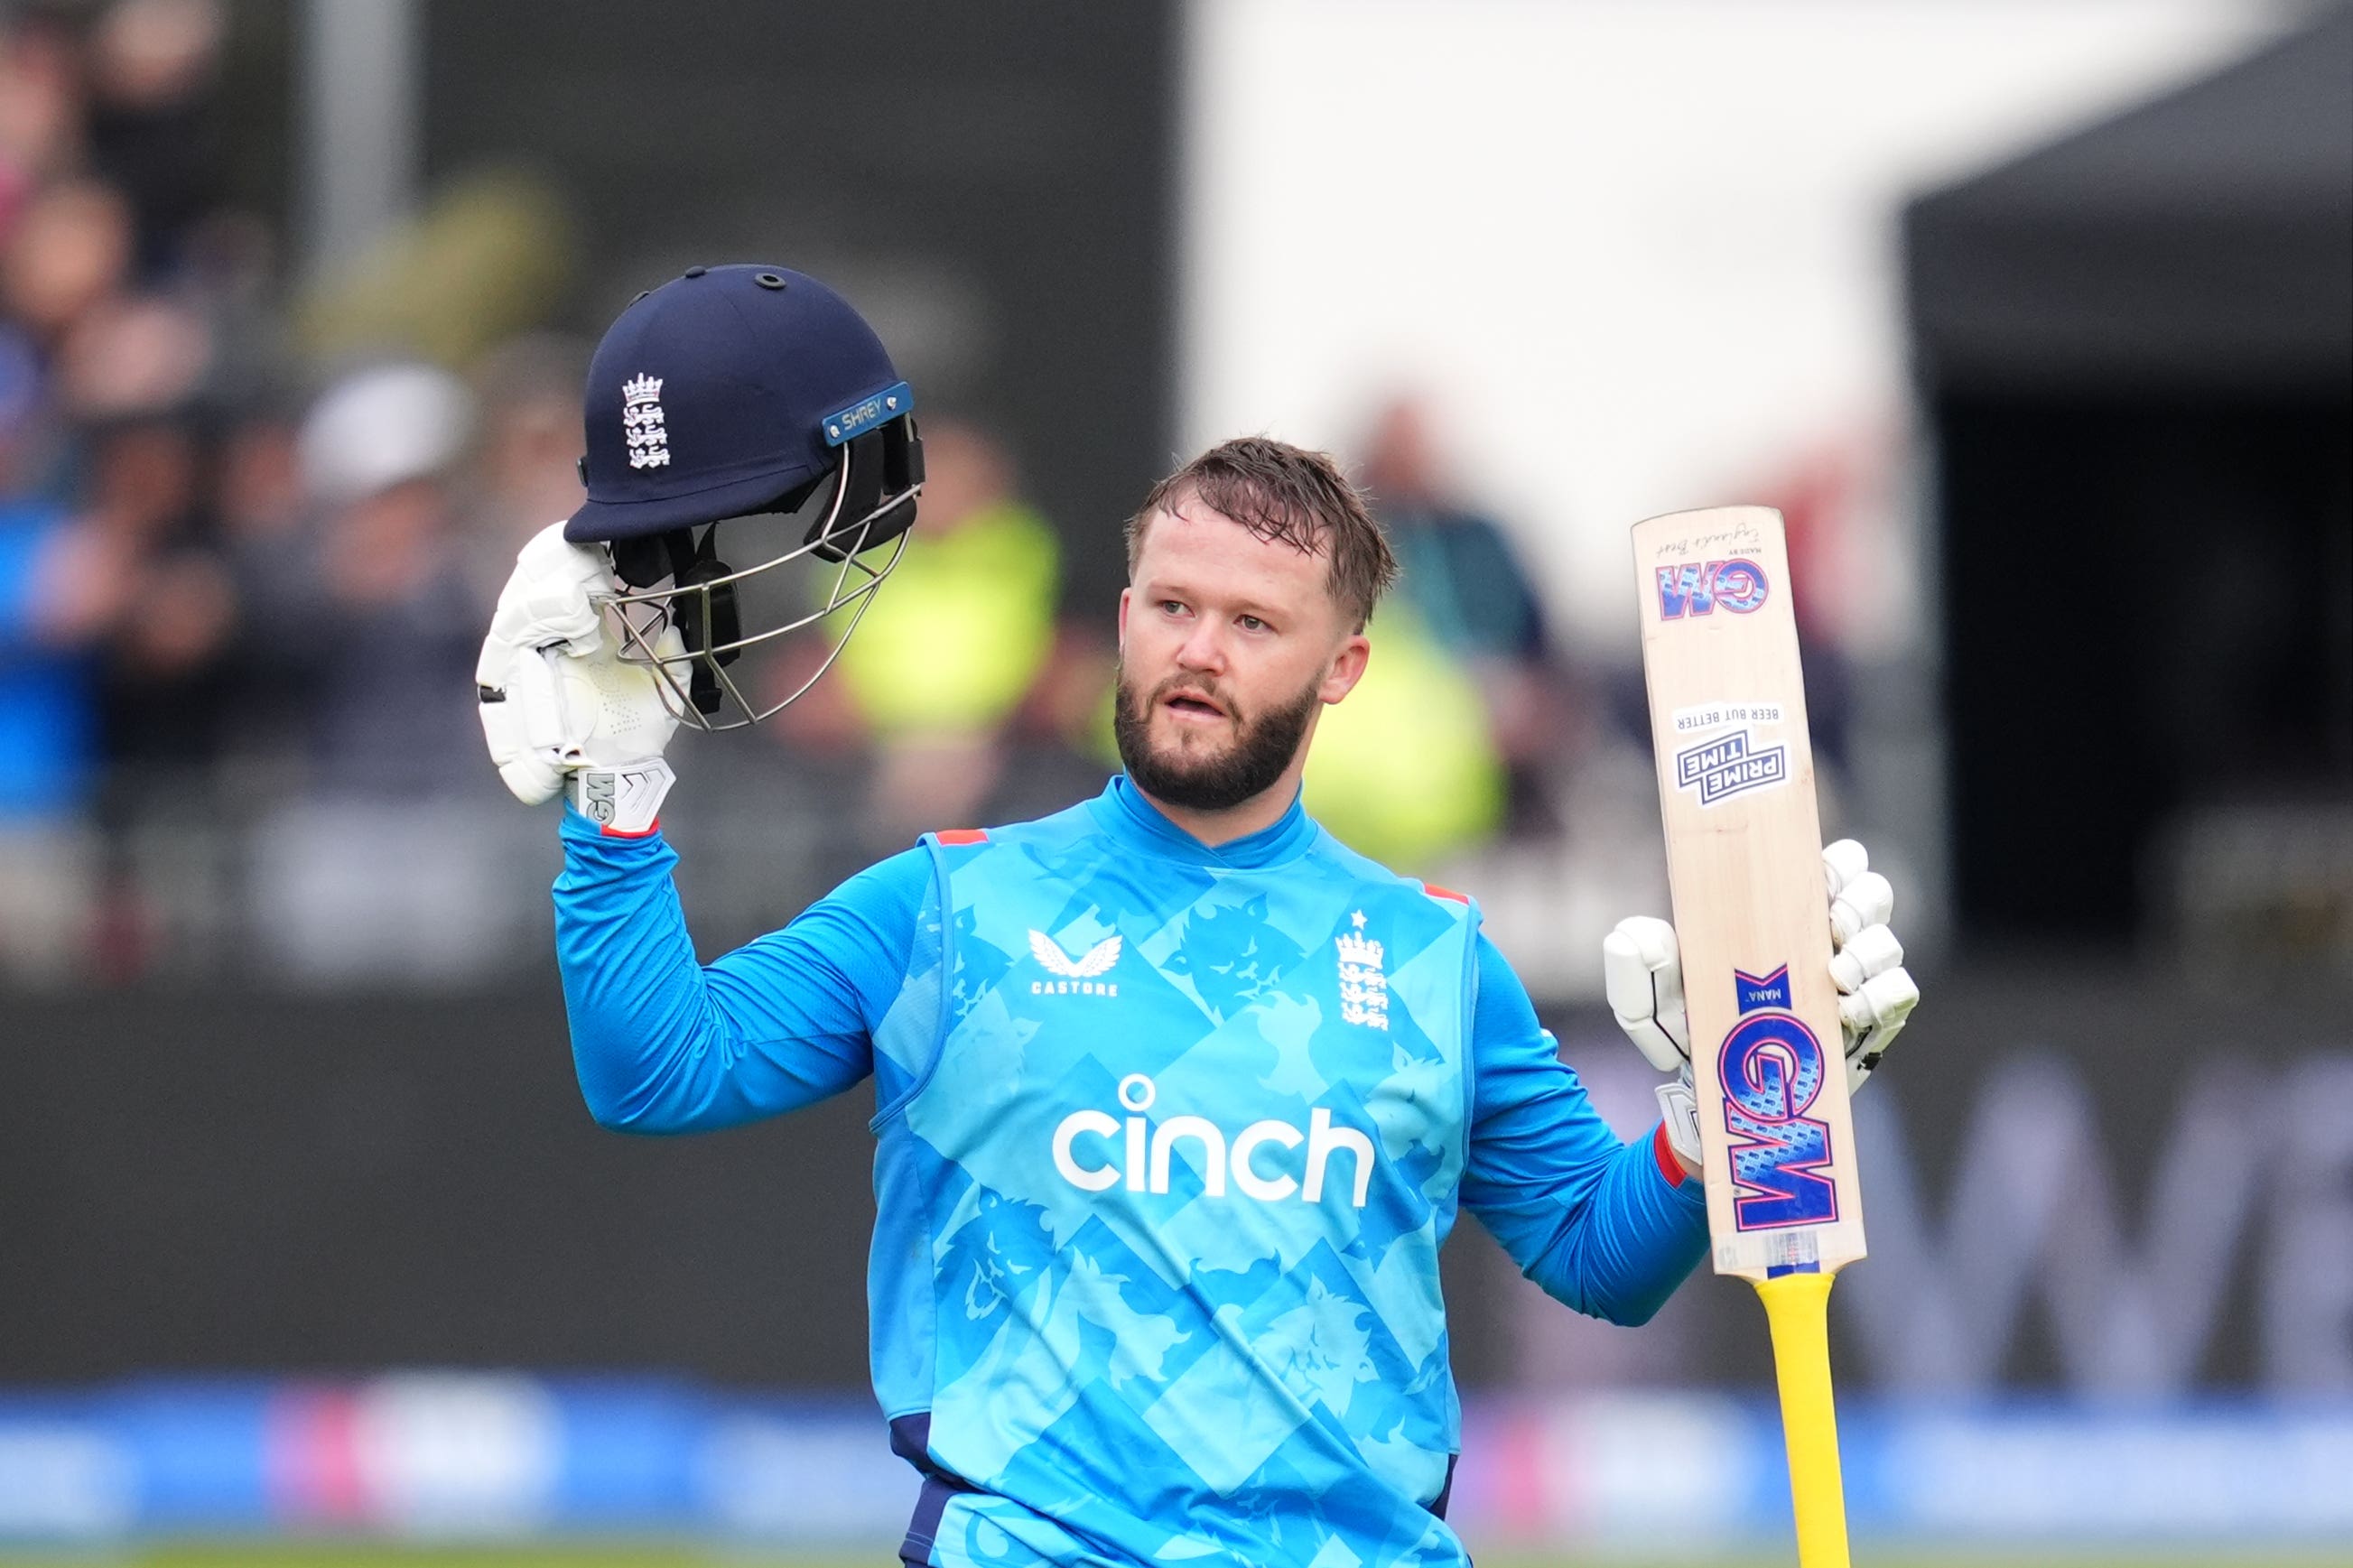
[[1194, 1363], [1232, 957], [978, 966], [907, 1036]]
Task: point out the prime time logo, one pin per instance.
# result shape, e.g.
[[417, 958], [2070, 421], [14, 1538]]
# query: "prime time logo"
[[1730, 765]]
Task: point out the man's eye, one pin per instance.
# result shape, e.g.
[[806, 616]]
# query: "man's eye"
[[1252, 623], [1172, 607]]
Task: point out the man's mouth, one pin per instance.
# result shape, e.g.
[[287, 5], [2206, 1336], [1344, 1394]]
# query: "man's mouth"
[[1192, 705]]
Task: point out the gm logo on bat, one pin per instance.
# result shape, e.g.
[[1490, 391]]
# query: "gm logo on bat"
[[1697, 587], [1771, 1068]]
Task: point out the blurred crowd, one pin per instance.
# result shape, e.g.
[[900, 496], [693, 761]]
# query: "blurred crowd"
[[139, 447], [252, 516], [242, 555]]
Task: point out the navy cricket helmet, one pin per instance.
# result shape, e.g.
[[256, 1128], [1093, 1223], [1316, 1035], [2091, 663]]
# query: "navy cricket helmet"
[[756, 398]]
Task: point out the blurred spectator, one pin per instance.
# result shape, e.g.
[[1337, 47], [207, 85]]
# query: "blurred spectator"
[[129, 355], [1060, 737], [41, 109], [51, 608], [392, 865], [151, 126], [175, 609], [69, 248], [969, 615], [525, 473], [260, 509], [947, 651], [1823, 499], [391, 627], [194, 579], [163, 669], [1461, 573], [128, 374], [124, 595], [1473, 600], [1404, 770]]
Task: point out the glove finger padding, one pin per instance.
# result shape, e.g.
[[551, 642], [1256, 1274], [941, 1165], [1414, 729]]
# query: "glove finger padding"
[[551, 597], [1642, 973], [549, 600], [523, 724], [553, 698], [1866, 901], [1872, 1016], [1872, 951], [1842, 862], [1642, 969]]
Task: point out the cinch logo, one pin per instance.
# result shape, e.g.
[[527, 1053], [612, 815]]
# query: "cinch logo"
[[1771, 1068], [1696, 587], [1142, 1157], [1728, 766]]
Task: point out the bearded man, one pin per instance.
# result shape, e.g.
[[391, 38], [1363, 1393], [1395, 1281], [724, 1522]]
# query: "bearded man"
[[1176, 1098]]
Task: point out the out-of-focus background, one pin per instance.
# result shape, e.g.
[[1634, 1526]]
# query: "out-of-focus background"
[[2036, 321]]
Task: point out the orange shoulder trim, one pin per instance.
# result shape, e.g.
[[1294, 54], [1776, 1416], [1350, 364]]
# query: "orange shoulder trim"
[[1435, 891], [962, 836]]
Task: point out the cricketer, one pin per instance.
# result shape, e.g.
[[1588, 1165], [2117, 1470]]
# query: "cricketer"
[[1176, 1098]]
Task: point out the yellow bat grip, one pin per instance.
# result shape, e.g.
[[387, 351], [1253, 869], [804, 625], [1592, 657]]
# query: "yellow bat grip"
[[1797, 1306]]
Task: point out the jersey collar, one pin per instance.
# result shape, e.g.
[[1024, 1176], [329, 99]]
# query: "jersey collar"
[[1123, 812]]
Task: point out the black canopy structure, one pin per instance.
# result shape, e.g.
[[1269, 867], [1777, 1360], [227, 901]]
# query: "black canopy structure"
[[2135, 352], [2204, 238]]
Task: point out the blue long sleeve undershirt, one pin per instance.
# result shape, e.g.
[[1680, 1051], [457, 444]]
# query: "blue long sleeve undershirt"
[[663, 1043]]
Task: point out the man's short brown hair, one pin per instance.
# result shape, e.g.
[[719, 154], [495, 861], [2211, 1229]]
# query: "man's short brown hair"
[[1287, 494]]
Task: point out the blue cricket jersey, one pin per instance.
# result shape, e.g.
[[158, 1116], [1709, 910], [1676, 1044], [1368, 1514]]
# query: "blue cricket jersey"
[[1168, 1138]]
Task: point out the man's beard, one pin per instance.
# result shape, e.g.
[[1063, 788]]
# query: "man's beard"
[[1262, 748]]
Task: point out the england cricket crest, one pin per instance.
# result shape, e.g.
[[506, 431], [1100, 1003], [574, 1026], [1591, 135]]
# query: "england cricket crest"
[[1364, 983], [643, 424]]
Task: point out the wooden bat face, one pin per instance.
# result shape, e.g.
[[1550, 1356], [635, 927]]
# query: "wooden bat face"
[[1743, 860]]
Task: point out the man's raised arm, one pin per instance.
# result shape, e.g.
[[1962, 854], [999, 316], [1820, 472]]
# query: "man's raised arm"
[[665, 1044], [1607, 1226], [662, 1043]]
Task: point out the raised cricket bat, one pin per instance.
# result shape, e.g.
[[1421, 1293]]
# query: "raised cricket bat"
[[1745, 863]]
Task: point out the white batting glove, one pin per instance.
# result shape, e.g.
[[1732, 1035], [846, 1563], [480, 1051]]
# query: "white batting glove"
[[559, 707], [1642, 973], [1877, 992]]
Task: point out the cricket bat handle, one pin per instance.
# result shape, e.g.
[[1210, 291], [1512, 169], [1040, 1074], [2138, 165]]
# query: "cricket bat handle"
[[1797, 1306]]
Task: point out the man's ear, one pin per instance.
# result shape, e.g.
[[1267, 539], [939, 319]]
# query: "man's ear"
[[1346, 668], [1125, 595]]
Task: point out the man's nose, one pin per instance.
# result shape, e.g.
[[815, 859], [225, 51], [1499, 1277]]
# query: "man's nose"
[[1205, 650]]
